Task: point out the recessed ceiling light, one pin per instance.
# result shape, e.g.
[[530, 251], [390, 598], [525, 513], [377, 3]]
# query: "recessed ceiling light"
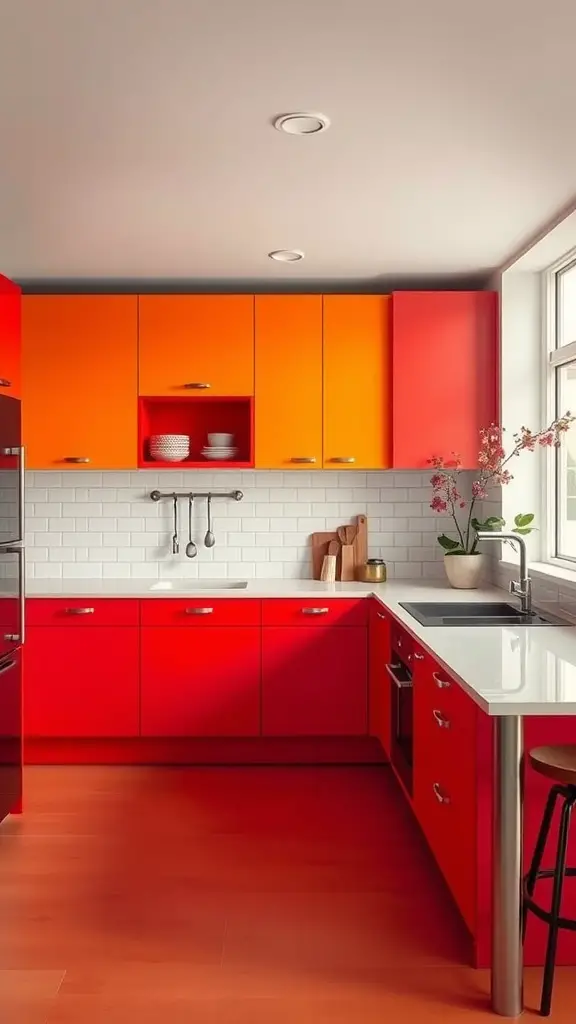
[[286, 255], [304, 122]]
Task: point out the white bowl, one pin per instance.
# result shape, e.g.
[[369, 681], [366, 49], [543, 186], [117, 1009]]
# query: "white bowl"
[[219, 458], [221, 440], [170, 439], [169, 456]]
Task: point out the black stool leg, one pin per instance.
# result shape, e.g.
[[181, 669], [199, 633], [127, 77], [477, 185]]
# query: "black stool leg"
[[532, 876], [555, 909]]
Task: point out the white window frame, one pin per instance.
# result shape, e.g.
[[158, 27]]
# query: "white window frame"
[[553, 357]]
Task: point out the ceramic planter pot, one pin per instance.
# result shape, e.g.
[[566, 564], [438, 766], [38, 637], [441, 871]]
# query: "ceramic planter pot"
[[464, 571]]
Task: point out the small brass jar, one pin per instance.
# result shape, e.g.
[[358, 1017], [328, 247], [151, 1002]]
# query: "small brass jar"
[[374, 571]]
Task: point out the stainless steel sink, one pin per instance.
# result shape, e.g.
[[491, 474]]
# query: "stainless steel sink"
[[476, 613], [189, 586]]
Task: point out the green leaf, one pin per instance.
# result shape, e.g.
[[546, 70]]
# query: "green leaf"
[[458, 551], [447, 543], [523, 530], [492, 523], [524, 520]]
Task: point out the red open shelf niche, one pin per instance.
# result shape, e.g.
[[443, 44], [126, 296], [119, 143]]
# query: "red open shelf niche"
[[197, 417]]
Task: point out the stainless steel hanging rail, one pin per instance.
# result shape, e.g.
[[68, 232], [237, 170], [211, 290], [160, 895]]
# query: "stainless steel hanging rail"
[[159, 495]]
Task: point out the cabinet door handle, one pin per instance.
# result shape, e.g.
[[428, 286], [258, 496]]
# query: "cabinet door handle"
[[79, 611], [303, 458], [348, 459], [5, 384], [418, 656], [197, 386], [76, 459], [443, 722], [441, 797], [199, 611], [314, 611], [380, 615], [442, 684]]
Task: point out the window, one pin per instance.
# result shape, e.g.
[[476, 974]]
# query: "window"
[[561, 396]]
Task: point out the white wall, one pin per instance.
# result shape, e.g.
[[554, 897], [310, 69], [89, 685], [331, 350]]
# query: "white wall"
[[86, 524]]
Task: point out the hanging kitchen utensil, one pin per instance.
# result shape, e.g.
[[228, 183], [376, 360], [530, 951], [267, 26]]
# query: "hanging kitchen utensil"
[[175, 541], [209, 539], [191, 549]]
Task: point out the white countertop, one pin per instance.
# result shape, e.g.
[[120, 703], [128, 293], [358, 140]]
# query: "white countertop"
[[507, 670]]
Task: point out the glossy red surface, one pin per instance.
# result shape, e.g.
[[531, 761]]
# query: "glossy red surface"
[[314, 681], [200, 682]]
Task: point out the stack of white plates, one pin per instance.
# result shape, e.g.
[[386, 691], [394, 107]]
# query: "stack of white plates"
[[170, 447], [220, 447]]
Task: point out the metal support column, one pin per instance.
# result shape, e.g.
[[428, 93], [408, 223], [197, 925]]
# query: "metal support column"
[[507, 868]]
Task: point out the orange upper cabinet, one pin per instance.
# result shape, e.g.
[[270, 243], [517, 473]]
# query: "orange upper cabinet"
[[79, 372], [357, 418], [196, 345], [445, 374], [10, 349], [288, 381]]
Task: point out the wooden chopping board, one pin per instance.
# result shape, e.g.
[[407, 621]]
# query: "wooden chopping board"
[[321, 541]]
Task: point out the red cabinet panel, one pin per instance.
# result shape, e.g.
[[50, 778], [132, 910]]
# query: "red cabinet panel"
[[379, 680], [81, 682], [315, 611], [75, 612], [445, 374], [314, 682], [201, 682], [10, 338], [200, 611]]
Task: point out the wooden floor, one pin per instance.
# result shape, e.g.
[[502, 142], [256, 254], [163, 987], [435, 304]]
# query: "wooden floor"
[[228, 896]]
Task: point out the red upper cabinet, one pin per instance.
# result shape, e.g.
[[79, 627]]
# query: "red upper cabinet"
[[445, 380], [9, 338]]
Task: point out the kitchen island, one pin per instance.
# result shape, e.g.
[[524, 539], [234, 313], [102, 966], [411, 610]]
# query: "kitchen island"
[[518, 678]]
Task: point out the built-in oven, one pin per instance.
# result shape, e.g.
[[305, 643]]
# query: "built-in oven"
[[401, 708]]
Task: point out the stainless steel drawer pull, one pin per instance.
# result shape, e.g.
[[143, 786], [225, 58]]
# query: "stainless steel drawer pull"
[[77, 459], [197, 386], [7, 667], [303, 458], [380, 616], [441, 719], [418, 657], [5, 383], [315, 611], [441, 797], [442, 684], [348, 459], [79, 611], [199, 611]]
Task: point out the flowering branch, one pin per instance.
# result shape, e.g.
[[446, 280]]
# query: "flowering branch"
[[492, 461]]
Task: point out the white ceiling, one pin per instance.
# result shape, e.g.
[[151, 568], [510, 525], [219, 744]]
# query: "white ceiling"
[[136, 141]]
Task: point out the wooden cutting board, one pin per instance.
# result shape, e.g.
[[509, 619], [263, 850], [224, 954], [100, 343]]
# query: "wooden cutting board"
[[320, 542]]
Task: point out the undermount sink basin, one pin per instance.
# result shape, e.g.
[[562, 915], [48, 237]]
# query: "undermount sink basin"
[[476, 613], [189, 586]]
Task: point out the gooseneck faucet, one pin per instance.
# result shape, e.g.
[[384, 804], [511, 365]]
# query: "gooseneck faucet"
[[523, 587]]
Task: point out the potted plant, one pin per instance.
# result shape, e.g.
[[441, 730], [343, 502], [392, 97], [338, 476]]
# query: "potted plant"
[[462, 561]]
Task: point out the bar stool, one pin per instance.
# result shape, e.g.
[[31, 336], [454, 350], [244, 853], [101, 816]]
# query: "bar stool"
[[557, 763]]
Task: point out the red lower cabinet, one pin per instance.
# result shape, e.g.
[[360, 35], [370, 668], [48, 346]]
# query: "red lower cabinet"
[[379, 680], [203, 681], [81, 681], [314, 681]]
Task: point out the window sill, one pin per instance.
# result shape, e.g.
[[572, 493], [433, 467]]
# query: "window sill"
[[544, 570]]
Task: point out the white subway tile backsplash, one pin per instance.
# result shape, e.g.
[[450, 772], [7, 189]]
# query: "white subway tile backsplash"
[[91, 524]]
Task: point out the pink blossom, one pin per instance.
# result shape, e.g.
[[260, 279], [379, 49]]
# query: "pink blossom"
[[437, 480], [479, 490], [462, 504], [546, 440], [438, 504]]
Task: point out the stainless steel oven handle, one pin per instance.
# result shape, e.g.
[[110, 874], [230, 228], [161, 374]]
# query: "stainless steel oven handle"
[[401, 684], [17, 549], [20, 452]]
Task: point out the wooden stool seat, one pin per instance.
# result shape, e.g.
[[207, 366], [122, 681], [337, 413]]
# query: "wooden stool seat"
[[557, 763]]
